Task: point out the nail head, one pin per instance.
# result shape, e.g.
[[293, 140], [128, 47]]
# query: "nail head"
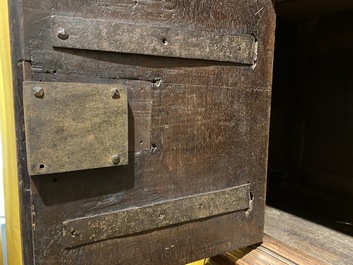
[[115, 93], [116, 159], [62, 34], [38, 91]]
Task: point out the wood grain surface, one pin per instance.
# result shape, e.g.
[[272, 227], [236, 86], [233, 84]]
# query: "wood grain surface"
[[202, 126], [319, 242], [291, 240]]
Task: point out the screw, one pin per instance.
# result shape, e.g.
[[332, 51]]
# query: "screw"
[[38, 91], [115, 93], [116, 159], [62, 34]]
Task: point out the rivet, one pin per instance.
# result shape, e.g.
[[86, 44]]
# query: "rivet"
[[38, 91], [62, 34], [115, 159], [115, 93], [75, 233]]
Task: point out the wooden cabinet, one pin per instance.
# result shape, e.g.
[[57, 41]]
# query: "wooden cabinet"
[[142, 128]]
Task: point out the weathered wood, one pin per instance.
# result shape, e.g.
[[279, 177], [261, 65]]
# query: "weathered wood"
[[130, 221], [113, 36], [271, 251], [206, 121], [140, 105], [292, 240], [75, 126], [316, 241], [19, 66]]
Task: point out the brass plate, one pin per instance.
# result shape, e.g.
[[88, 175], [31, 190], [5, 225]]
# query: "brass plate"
[[133, 220], [114, 36], [74, 126]]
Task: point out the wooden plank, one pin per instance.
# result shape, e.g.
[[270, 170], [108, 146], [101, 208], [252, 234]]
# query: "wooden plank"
[[209, 131], [321, 243], [113, 36], [18, 69], [292, 240], [130, 221], [75, 126], [271, 251]]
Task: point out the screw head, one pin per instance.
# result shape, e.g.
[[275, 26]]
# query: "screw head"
[[116, 159], [38, 91], [62, 34], [115, 93]]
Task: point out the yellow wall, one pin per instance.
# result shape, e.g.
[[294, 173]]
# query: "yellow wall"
[[7, 134]]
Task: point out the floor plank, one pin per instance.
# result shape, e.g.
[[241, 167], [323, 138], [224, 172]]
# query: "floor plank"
[[324, 244], [292, 240]]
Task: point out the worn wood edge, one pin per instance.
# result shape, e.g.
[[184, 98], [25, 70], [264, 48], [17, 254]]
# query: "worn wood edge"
[[162, 214], [87, 34], [19, 60]]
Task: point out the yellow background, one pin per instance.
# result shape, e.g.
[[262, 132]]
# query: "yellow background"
[[7, 134]]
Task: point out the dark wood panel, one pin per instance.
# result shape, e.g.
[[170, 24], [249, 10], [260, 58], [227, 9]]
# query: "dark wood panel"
[[328, 127], [208, 122], [300, 9], [312, 104]]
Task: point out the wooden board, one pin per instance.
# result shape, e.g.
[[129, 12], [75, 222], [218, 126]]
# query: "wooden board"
[[271, 251], [292, 240], [319, 242], [195, 126]]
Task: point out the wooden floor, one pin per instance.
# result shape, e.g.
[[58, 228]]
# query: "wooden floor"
[[292, 240]]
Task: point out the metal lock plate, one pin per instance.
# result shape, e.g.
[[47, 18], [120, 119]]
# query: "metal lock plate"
[[75, 126]]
